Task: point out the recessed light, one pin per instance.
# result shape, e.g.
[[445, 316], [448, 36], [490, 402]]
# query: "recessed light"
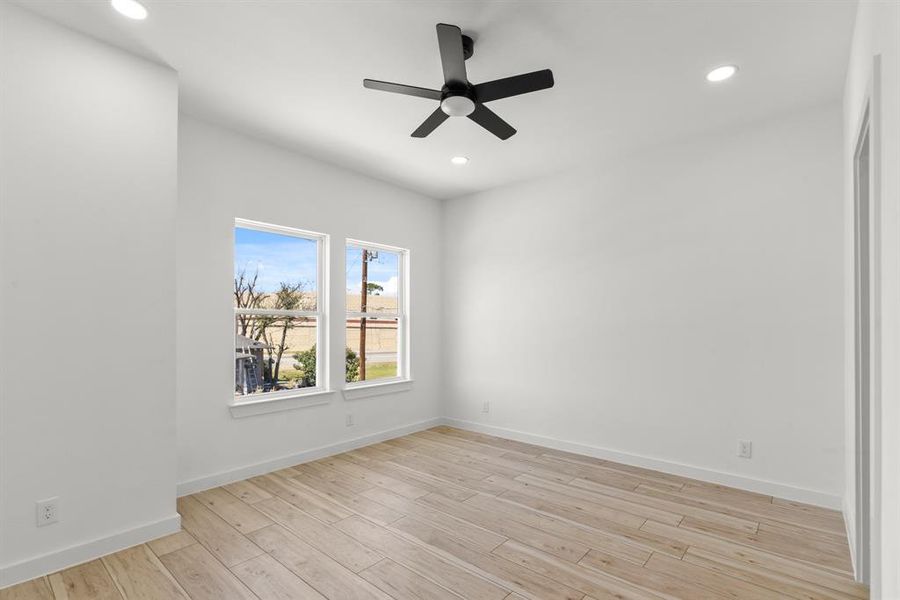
[[130, 8], [459, 160], [721, 73]]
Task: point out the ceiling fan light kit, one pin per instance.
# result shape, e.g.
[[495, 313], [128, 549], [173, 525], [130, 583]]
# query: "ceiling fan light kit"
[[458, 106], [460, 98]]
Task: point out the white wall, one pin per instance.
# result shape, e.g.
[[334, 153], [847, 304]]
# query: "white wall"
[[664, 307], [877, 34], [87, 229], [224, 175]]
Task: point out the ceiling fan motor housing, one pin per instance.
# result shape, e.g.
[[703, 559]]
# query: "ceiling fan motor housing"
[[468, 47]]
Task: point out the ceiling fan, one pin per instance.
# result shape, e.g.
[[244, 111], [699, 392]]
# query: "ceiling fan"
[[459, 97]]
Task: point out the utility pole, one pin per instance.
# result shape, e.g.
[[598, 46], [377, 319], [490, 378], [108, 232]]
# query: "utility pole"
[[362, 308]]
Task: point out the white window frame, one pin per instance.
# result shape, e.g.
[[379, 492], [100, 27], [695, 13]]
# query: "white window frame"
[[360, 389], [300, 397]]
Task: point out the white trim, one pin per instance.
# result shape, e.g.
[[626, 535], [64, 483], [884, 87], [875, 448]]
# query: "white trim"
[[849, 530], [278, 312], [374, 246], [404, 337], [860, 552], [269, 404], [210, 481], [402, 314], [367, 389], [373, 316], [37, 566], [770, 488], [279, 229], [290, 399], [323, 306]]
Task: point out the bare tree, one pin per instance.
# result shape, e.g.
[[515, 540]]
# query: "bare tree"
[[272, 330], [288, 297], [246, 295]]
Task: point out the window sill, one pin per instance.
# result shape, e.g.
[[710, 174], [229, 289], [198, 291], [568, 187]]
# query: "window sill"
[[288, 402], [366, 390]]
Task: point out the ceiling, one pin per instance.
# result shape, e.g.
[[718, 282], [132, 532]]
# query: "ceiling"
[[628, 74]]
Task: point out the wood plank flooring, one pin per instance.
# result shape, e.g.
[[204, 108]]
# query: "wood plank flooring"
[[446, 514]]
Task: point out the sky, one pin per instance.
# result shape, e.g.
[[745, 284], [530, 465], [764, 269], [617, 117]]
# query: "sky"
[[383, 270], [285, 258], [278, 258]]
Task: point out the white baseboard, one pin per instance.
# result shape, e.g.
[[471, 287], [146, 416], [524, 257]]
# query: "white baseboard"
[[761, 486], [80, 553], [261, 468]]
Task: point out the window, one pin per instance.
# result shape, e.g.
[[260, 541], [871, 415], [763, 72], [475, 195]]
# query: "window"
[[279, 311], [376, 313]]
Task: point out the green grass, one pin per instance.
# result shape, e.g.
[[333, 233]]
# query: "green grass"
[[373, 371], [289, 374], [381, 370]]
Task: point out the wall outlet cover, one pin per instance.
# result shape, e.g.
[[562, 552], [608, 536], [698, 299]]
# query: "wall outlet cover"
[[47, 511], [745, 449]]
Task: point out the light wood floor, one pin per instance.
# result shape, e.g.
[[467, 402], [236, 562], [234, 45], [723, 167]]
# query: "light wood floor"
[[447, 514]]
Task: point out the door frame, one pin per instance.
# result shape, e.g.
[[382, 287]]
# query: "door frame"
[[867, 556], [863, 338]]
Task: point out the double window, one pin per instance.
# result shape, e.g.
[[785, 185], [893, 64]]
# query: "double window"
[[281, 306]]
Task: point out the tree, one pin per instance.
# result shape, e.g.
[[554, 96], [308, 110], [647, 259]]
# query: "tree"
[[374, 289], [306, 362], [288, 297], [271, 330], [247, 296]]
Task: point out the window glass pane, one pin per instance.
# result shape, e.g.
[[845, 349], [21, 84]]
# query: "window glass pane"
[[372, 349], [376, 271], [273, 353], [272, 270]]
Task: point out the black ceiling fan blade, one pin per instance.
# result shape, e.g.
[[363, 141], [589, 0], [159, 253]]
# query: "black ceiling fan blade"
[[490, 121], [514, 86], [431, 123], [452, 60], [399, 88]]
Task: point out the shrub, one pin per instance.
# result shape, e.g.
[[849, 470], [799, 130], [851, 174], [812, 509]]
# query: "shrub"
[[306, 364], [352, 366]]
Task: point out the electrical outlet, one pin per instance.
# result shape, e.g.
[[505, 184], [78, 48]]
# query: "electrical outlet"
[[486, 407], [745, 449], [47, 511], [349, 420]]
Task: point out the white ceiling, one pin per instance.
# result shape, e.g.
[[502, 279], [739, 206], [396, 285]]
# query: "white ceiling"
[[628, 74]]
